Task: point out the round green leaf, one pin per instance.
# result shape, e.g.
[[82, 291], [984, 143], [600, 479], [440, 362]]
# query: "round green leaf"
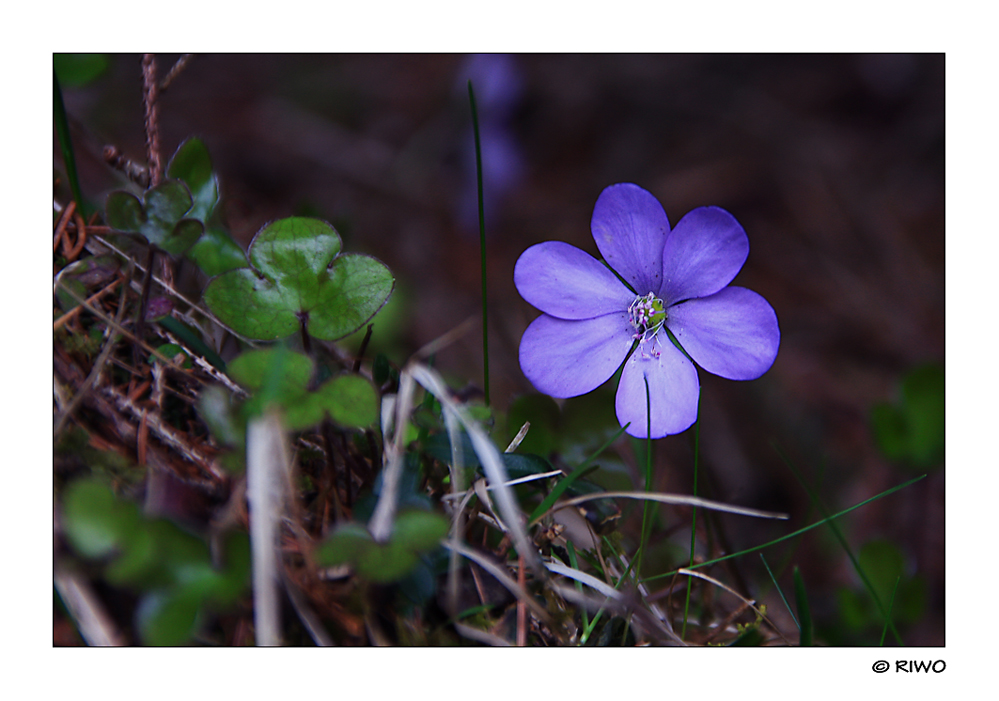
[[251, 369], [96, 523], [297, 277], [345, 544], [350, 400], [419, 531]]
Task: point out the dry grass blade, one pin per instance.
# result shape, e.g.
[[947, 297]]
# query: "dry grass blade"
[[505, 579], [584, 578], [747, 602], [669, 499], [481, 636], [267, 478], [489, 457]]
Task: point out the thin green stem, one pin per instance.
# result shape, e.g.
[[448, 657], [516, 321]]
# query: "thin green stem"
[[647, 507], [482, 241], [693, 519], [782, 597]]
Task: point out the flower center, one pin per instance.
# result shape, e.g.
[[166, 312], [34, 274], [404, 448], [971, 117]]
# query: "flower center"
[[648, 314]]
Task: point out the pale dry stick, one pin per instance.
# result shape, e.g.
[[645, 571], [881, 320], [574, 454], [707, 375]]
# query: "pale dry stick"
[[380, 524], [480, 636], [305, 613], [267, 478], [748, 602], [521, 606], [456, 468], [93, 622]]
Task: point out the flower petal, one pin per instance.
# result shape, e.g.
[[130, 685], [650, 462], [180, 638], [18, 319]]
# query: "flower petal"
[[565, 358], [630, 226], [673, 392], [703, 253], [732, 333], [566, 282]]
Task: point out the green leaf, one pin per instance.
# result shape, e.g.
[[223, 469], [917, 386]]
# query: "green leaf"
[[96, 523], [298, 276], [350, 400], [414, 533], [193, 166], [167, 617], [883, 563], [419, 531], [216, 252], [76, 70], [158, 218], [912, 430], [251, 368]]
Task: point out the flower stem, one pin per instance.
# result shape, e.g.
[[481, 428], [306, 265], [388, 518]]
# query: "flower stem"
[[693, 524], [482, 241], [647, 507]]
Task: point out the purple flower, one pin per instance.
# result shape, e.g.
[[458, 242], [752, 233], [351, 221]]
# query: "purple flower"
[[679, 282]]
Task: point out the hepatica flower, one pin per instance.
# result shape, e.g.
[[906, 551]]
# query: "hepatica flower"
[[679, 282]]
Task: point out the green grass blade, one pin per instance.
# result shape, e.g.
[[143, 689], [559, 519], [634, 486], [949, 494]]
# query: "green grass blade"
[[891, 605], [66, 145], [793, 534], [779, 591], [482, 242], [804, 612], [817, 501]]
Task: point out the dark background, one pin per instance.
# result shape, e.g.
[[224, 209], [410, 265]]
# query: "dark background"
[[834, 165]]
